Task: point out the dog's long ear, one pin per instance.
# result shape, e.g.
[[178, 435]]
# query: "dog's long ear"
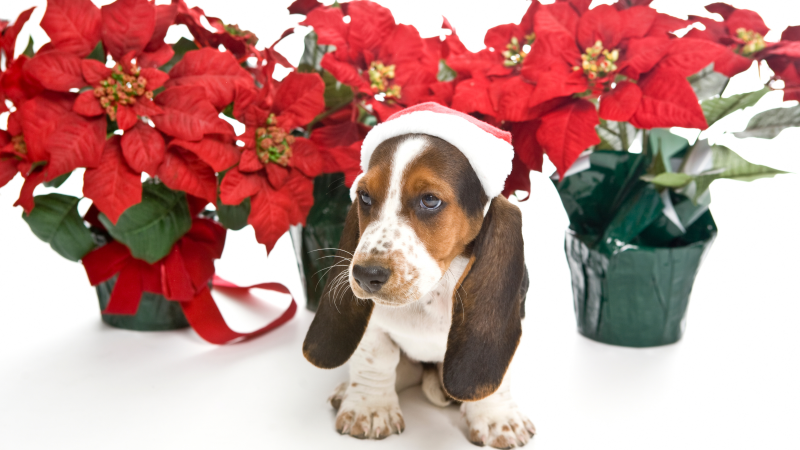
[[486, 324], [342, 318]]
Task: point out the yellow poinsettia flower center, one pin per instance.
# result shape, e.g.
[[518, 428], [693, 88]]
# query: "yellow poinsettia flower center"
[[235, 31], [598, 62], [515, 52], [273, 143], [753, 42], [20, 148], [380, 80], [123, 87]]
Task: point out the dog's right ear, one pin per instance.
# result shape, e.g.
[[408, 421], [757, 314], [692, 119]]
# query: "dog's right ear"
[[342, 318]]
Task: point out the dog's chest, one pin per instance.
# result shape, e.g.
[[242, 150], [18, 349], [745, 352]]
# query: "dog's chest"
[[421, 328]]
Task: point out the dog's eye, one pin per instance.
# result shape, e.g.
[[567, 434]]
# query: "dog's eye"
[[429, 201], [365, 198]]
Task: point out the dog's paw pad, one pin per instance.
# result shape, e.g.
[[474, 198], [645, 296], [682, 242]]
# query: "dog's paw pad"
[[370, 421], [500, 429]]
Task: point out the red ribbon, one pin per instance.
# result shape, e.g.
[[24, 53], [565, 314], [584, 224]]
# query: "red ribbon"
[[181, 276], [204, 316]]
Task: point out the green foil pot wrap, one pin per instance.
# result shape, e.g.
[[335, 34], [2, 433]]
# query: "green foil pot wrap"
[[633, 250], [155, 313], [315, 243]]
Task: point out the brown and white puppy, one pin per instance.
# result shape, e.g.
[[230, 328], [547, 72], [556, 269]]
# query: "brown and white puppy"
[[434, 272]]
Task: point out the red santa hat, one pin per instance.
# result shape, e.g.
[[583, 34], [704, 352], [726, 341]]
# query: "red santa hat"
[[487, 148]]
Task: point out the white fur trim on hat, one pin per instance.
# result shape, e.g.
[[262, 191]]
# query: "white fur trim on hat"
[[489, 155]]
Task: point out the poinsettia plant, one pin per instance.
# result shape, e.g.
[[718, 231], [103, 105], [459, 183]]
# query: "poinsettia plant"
[[150, 126], [567, 79]]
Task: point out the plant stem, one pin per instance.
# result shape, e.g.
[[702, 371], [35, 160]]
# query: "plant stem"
[[623, 135]]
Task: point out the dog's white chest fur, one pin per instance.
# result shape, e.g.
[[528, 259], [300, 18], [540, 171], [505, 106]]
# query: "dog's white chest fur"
[[421, 328]]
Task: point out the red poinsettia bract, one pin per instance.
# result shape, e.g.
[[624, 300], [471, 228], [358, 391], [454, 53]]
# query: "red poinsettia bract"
[[277, 169]]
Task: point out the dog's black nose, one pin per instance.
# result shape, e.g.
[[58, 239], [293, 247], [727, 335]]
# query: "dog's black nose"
[[371, 278]]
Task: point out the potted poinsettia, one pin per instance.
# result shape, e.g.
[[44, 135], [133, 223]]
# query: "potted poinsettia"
[[149, 124], [597, 83]]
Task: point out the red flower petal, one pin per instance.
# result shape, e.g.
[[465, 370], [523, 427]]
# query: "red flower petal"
[[39, 118], [217, 72], [188, 114], [558, 18], [10, 34], [299, 99], [143, 148], [519, 179], [687, 56], [730, 63], [126, 117], [147, 108], [567, 131], [276, 175], [664, 25], [637, 21], [76, 142], [87, 105], [329, 26], [603, 23], [269, 217], [215, 150], [472, 96], [73, 25], [343, 159], [749, 20], [723, 9], [26, 193], [165, 17], [56, 70], [155, 78], [498, 37], [668, 101], [127, 26], [17, 87], [303, 6], [94, 71], [301, 190], [345, 73], [342, 134], [183, 171], [237, 186], [249, 162], [370, 23], [641, 55], [526, 147], [112, 186], [8, 169], [306, 158], [510, 97], [621, 103], [157, 57]]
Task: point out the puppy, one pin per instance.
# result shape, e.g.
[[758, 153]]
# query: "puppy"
[[430, 269]]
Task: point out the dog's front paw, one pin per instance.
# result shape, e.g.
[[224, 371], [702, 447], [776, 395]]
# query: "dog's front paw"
[[367, 417], [498, 427]]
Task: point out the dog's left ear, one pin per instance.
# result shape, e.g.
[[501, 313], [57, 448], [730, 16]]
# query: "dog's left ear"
[[486, 324], [341, 319]]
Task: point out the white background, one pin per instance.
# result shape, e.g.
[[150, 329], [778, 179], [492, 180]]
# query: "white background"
[[69, 382]]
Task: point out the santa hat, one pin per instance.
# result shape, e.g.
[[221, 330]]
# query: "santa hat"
[[487, 148]]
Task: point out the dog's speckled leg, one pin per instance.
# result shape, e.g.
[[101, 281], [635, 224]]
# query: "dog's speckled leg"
[[497, 421], [369, 407]]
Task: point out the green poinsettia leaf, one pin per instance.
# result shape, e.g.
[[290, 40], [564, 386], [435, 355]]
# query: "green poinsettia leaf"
[[29, 49], [180, 48], [311, 61], [668, 146], [669, 179], [716, 108], [55, 220], [57, 181], [769, 124], [336, 93], [98, 54], [727, 164], [233, 217], [707, 83], [150, 229], [445, 73]]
